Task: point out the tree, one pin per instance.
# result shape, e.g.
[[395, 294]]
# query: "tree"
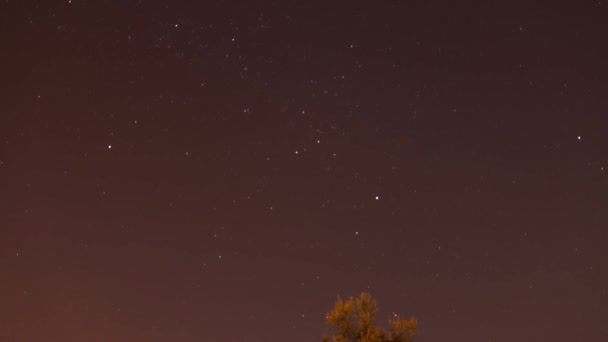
[[354, 320]]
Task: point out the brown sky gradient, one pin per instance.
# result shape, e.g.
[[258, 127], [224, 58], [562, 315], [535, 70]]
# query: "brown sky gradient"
[[220, 171]]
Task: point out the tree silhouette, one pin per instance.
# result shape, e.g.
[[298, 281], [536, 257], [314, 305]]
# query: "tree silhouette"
[[354, 320]]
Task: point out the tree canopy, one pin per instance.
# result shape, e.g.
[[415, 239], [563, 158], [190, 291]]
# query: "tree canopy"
[[354, 320]]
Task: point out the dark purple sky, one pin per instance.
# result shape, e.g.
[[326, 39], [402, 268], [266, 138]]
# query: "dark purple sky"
[[221, 171]]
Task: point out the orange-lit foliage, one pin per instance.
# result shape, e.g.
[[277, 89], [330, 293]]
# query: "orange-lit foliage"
[[354, 320]]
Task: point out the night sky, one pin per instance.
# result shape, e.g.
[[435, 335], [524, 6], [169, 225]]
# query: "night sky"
[[221, 171]]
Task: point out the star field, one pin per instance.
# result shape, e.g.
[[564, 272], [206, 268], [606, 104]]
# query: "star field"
[[221, 171]]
